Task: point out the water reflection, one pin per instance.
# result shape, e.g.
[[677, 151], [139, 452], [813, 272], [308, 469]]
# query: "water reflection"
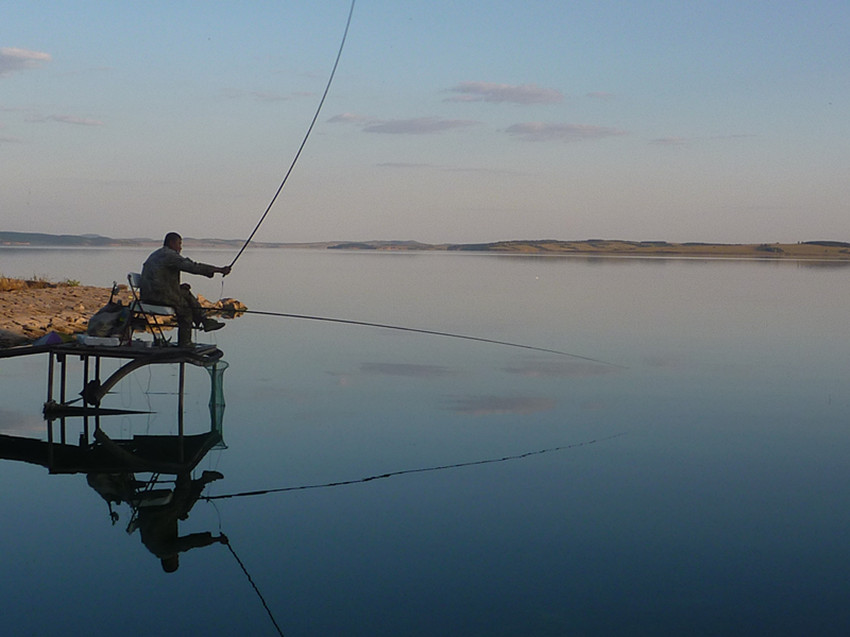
[[157, 512], [149, 473], [721, 509], [489, 405]]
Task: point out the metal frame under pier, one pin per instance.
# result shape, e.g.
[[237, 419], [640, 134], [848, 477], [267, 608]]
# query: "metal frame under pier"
[[58, 406]]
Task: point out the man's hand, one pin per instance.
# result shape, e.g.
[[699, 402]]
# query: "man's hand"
[[225, 270]]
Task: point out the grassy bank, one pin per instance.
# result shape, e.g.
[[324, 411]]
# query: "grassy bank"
[[8, 284]]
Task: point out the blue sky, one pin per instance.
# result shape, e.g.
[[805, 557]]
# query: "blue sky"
[[446, 122]]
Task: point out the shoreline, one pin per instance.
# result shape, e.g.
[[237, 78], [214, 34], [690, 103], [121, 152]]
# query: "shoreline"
[[823, 250], [28, 313]]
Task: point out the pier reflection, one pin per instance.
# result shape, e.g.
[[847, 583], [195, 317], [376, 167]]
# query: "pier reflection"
[[150, 474]]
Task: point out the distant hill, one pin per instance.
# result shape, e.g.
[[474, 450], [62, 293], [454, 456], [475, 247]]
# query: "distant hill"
[[37, 239], [834, 250], [68, 240]]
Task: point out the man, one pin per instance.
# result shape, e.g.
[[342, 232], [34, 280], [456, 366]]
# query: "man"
[[160, 284]]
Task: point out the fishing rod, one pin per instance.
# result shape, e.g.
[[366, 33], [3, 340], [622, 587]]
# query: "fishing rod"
[[303, 141], [393, 474], [431, 332]]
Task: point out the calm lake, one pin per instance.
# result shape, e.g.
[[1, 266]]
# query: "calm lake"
[[692, 479]]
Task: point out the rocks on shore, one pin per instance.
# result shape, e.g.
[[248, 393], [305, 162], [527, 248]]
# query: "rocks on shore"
[[28, 313]]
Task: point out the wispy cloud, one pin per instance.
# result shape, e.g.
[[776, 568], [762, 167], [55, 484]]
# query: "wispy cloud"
[[15, 109], [348, 118], [670, 141], [66, 119], [494, 405], [515, 94], [542, 131], [408, 126], [404, 165], [418, 126], [13, 59], [9, 140], [601, 95], [447, 169], [734, 136], [686, 141], [263, 96]]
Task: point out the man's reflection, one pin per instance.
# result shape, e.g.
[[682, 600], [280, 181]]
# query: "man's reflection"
[[157, 513]]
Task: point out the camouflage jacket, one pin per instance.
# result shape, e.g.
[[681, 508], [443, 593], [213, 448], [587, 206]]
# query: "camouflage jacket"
[[161, 276]]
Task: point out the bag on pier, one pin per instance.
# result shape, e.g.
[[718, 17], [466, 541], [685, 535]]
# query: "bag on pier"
[[109, 320]]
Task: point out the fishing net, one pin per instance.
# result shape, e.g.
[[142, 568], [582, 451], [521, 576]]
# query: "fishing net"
[[216, 371]]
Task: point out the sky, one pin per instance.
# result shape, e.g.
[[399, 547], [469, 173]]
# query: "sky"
[[446, 121]]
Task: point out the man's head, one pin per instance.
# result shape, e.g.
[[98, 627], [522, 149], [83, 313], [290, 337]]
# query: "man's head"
[[170, 563], [173, 241]]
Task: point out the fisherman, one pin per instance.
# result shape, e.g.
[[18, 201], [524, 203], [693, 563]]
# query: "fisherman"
[[160, 285]]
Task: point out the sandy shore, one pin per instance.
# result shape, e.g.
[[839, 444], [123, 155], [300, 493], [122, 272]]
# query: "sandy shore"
[[26, 314]]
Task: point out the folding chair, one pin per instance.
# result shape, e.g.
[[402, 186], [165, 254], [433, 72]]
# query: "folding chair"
[[145, 313]]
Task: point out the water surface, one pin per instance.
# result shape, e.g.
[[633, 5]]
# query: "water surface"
[[694, 485]]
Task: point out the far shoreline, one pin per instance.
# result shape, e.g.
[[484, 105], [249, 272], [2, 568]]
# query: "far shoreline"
[[802, 250]]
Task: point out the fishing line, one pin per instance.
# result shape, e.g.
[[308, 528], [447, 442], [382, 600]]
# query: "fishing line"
[[254, 586], [306, 136], [403, 472], [245, 570], [431, 332]]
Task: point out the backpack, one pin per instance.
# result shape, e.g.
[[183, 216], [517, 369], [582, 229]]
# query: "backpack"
[[110, 320]]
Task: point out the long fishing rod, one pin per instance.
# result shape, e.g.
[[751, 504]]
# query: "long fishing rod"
[[393, 474], [303, 141], [432, 333]]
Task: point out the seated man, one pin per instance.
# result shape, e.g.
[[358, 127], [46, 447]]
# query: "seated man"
[[160, 284]]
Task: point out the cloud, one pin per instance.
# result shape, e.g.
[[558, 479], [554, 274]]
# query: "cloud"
[[13, 60], [263, 96], [447, 169], [494, 405], [9, 140], [410, 126], [15, 109], [418, 125], [670, 141], [406, 165], [66, 119], [404, 369], [685, 141], [734, 136], [541, 131], [516, 94], [601, 95], [348, 118]]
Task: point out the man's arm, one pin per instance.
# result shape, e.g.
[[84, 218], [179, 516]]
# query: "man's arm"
[[185, 264]]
